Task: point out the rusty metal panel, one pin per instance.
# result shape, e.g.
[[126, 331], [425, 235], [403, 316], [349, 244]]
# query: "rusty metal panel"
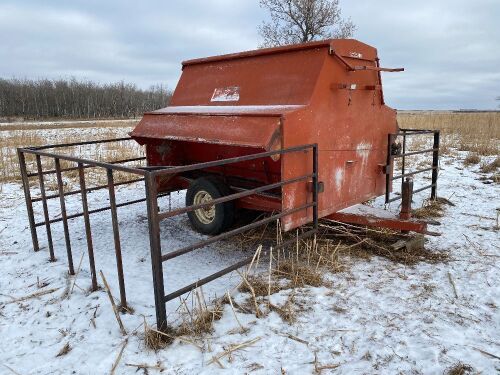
[[245, 131], [350, 126], [286, 76]]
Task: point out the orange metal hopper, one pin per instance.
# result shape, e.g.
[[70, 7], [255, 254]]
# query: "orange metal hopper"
[[327, 92]]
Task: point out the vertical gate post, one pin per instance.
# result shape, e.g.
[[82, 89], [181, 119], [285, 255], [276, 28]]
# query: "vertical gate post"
[[435, 164], [315, 185], [45, 207], [27, 198], [388, 168], [86, 219], [116, 237], [403, 159], [64, 216], [406, 198], [155, 245]]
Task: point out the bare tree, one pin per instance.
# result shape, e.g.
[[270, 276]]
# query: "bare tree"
[[299, 21], [70, 98]]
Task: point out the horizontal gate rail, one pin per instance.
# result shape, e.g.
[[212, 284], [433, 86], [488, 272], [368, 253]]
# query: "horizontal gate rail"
[[93, 163], [87, 190], [72, 144], [415, 153], [218, 163], [398, 177], [52, 171], [225, 235], [94, 211], [403, 133], [227, 198], [233, 267]]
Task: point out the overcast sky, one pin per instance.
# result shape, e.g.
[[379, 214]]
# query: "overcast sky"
[[449, 48]]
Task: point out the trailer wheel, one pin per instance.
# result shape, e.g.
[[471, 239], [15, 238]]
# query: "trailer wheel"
[[213, 219]]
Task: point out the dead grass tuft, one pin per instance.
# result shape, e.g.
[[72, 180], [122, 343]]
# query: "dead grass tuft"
[[202, 321], [156, 340], [431, 208], [299, 274], [287, 312], [261, 286], [367, 242], [472, 159], [64, 350], [491, 167], [459, 369]]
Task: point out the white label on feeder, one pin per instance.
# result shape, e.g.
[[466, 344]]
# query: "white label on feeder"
[[353, 86], [356, 55], [226, 94]]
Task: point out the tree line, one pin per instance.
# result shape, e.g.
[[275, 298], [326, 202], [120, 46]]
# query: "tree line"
[[71, 98]]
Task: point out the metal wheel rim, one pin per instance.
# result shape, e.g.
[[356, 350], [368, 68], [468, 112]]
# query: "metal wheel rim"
[[207, 214]]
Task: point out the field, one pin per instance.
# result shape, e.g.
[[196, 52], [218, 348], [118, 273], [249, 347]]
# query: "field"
[[339, 307]]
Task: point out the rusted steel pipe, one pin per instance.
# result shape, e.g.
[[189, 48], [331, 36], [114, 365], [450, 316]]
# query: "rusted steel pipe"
[[45, 208], [88, 190], [187, 249], [227, 198], [88, 232], [85, 161], [231, 268], [79, 143], [64, 217], [27, 198], [155, 248], [52, 171], [435, 164], [116, 238], [218, 163]]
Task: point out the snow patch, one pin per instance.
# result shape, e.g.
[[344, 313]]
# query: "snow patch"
[[363, 151], [338, 178]]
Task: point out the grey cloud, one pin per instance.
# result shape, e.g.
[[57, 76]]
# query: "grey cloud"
[[450, 49]]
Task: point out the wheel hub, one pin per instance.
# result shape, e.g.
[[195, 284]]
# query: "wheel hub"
[[206, 214]]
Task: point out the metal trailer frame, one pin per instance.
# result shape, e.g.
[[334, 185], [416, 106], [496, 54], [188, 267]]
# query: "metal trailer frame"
[[149, 176], [403, 134]]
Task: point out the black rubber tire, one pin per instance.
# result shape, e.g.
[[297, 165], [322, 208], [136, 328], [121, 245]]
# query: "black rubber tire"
[[224, 212]]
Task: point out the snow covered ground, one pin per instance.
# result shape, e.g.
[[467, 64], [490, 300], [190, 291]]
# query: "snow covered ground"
[[378, 317]]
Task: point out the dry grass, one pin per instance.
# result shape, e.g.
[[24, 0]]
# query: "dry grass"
[[195, 323], [64, 350], [201, 322], [474, 132], [11, 140], [459, 369], [287, 312], [260, 286], [76, 124], [431, 208], [367, 242], [472, 158], [300, 274], [491, 167], [156, 340]]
